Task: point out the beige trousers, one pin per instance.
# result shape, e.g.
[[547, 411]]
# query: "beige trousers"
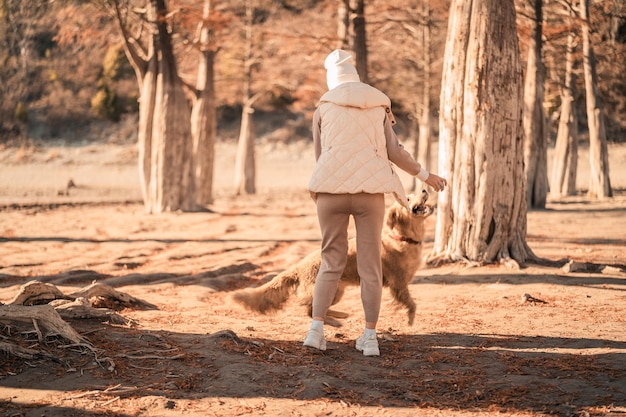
[[333, 212]]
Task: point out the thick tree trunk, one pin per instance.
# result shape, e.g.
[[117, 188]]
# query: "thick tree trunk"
[[422, 150], [359, 39], [599, 181], [482, 214], [172, 155], [145, 65], [565, 162], [343, 24], [165, 144], [144, 133], [617, 33], [245, 166], [451, 122], [535, 144], [203, 118]]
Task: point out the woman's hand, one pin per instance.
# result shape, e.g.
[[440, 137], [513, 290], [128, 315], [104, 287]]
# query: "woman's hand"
[[438, 183]]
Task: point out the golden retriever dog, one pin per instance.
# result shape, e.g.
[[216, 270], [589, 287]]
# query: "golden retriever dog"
[[402, 240]]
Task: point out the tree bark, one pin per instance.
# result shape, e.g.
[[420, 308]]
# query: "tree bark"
[[203, 117], [359, 39], [423, 153], [144, 134], [45, 316], [599, 181], [343, 24], [535, 145], [172, 157], [165, 144], [102, 295], [482, 214], [245, 167], [37, 293], [81, 308], [82, 304], [565, 162]]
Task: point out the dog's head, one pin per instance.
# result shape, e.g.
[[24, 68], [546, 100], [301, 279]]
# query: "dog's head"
[[410, 222], [418, 204]]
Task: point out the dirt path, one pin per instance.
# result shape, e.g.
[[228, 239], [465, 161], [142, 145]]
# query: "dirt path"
[[477, 348]]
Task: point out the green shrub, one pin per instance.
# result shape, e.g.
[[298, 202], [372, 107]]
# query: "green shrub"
[[21, 112], [105, 104], [115, 65]]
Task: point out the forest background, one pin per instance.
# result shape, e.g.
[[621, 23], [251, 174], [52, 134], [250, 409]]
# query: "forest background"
[[64, 75]]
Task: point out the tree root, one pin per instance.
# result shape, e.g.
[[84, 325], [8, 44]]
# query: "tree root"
[[44, 307], [35, 293], [102, 295], [81, 308], [44, 316], [24, 353]]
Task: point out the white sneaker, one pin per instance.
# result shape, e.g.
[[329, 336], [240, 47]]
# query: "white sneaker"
[[315, 339], [369, 346]]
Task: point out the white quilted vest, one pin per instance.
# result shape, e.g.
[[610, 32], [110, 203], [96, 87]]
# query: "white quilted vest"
[[354, 152]]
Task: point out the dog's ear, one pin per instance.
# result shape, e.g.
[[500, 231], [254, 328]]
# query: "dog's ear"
[[392, 217]]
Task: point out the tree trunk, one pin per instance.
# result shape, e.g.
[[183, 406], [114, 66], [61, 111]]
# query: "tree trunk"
[[422, 153], [351, 33], [617, 33], [172, 153], [144, 134], [245, 181], [145, 65], [565, 162], [482, 214], [343, 24], [359, 39], [165, 144], [245, 167], [599, 181], [535, 145], [203, 117]]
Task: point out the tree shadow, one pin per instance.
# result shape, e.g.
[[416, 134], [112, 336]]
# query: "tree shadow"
[[588, 280], [61, 239], [574, 207], [36, 410], [244, 273], [445, 371]]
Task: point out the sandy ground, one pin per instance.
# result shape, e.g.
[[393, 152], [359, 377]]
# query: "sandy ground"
[[477, 349]]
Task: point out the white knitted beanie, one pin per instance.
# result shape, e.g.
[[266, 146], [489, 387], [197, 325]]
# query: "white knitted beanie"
[[339, 69]]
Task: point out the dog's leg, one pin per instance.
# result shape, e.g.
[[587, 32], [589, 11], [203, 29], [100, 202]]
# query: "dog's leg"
[[402, 296]]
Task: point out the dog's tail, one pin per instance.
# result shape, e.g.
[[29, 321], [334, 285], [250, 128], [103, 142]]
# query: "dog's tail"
[[270, 296]]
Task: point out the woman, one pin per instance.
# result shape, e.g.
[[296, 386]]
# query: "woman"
[[354, 144]]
